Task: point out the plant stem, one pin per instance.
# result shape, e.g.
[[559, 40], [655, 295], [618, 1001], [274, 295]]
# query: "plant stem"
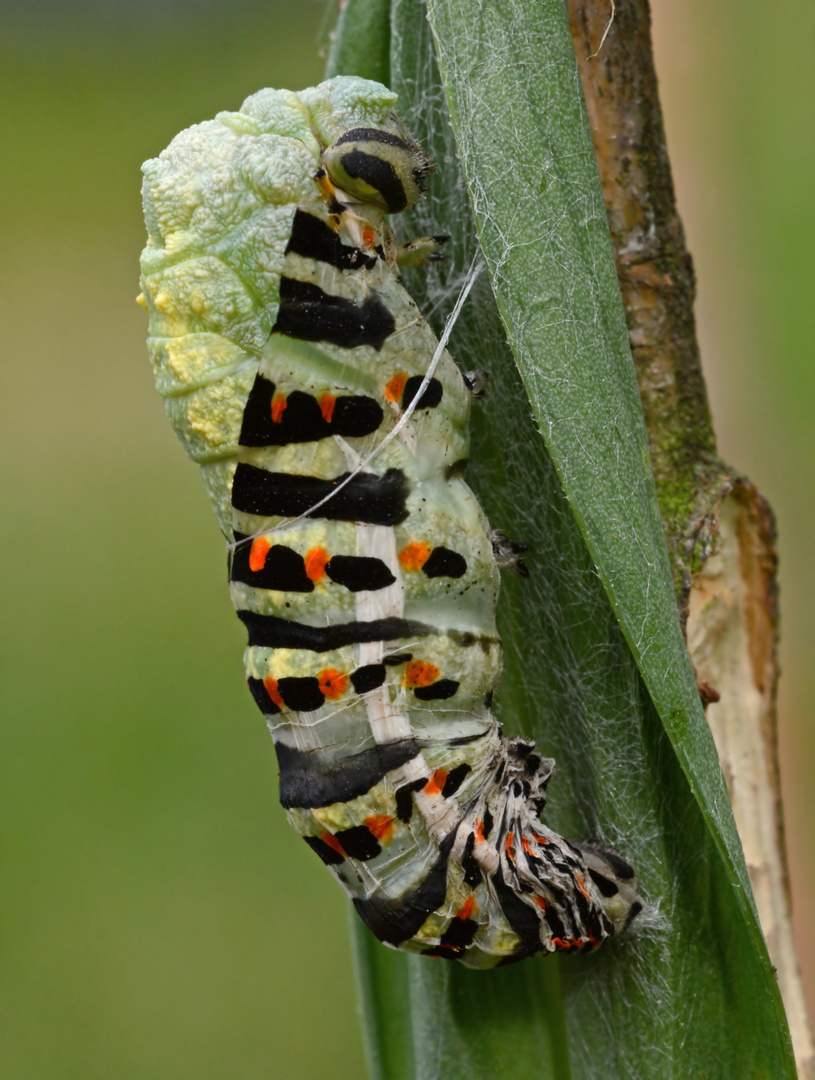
[[719, 529]]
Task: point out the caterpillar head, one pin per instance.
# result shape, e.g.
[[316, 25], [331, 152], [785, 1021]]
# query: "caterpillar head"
[[380, 166]]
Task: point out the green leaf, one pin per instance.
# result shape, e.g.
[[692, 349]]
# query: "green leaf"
[[361, 41], [595, 665]]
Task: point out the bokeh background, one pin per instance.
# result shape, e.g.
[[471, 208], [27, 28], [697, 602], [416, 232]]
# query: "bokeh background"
[[159, 919]]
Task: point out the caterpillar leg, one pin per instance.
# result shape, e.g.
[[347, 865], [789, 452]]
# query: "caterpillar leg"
[[420, 252], [507, 553], [476, 381]]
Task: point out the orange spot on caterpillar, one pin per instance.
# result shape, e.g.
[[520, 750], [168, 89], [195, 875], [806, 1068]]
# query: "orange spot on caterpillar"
[[333, 842], [466, 909], [526, 845], [380, 826], [510, 838], [580, 884], [257, 553], [278, 408], [436, 782], [396, 386], [479, 831], [541, 903], [413, 556], [561, 944], [315, 560], [270, 685], [368, 236], [332, 684], [418, 673], [327, 403]]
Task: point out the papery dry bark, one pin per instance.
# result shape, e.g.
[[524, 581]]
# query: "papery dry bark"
[[719, 528]]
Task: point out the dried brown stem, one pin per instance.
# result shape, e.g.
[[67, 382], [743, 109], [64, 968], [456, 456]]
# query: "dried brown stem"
[[719, 529]]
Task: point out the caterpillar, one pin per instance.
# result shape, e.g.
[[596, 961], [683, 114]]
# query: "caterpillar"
[[332, 433]]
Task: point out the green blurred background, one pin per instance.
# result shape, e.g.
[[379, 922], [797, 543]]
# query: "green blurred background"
[[159, 919]]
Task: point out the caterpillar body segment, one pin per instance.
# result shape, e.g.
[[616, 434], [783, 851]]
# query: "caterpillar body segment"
[[293, 366]]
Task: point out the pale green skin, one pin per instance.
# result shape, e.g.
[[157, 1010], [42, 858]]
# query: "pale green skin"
[[219, 204]]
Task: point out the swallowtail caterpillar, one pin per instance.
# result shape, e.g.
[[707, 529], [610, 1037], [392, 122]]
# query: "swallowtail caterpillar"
[[286, 350]]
